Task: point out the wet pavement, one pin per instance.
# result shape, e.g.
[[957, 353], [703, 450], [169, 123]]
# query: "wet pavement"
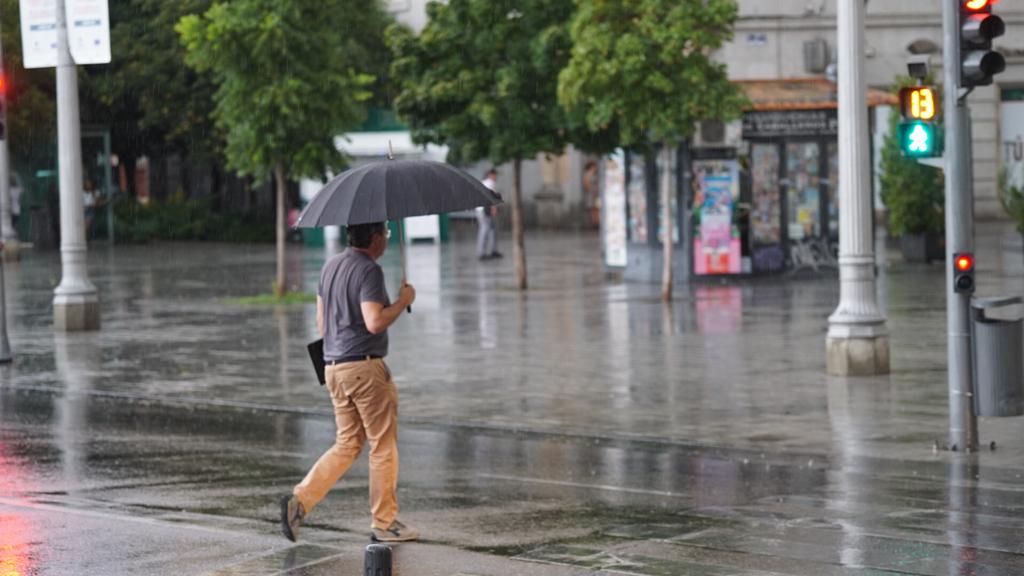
[[580, 428]]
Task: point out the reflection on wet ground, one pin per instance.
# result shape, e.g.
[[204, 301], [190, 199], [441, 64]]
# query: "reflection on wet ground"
[[581, 428]]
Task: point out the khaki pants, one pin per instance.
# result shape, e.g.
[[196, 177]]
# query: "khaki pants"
[[365, 407]]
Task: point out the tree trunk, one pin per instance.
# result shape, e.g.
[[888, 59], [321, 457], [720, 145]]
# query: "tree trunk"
[[518, 252], [279, 176], [666, 215]]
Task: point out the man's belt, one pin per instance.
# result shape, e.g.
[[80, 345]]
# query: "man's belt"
[[354, 358]]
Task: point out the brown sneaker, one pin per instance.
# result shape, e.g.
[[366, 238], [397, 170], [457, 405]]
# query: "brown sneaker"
[[397, 532]]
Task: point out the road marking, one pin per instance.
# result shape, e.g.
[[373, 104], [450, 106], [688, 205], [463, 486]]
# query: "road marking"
[[566, 483]]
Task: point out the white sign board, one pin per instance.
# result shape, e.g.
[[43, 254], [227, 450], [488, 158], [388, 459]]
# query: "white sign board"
[[613, 213], [1012, 134], [88, 32]]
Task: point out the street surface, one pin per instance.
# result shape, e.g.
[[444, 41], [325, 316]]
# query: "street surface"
[[580, 428]]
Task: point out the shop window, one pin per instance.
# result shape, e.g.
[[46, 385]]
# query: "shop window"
[[833, 191], [670, 173], [765, 213], [804, 190], [637, 198]]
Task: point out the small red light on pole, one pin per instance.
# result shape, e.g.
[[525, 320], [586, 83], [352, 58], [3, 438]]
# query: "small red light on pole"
[[964, 263], [977, 4]]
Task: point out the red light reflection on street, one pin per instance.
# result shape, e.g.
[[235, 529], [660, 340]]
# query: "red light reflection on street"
[[15, 530]]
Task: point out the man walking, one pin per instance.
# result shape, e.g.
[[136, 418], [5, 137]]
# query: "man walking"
[[487, 241], [353, 315]]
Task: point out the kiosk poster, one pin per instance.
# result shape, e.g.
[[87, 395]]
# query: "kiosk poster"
[[613, 217], [716, 245]]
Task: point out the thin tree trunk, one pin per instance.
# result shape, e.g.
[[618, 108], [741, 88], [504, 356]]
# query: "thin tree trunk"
[[279, 283], [518, 252], [666, 212]]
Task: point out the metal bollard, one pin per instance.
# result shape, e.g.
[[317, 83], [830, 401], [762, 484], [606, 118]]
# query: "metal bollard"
[[378, 560]]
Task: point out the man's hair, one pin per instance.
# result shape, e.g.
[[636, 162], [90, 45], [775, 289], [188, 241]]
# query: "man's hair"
[[361, 235], [492, 172]]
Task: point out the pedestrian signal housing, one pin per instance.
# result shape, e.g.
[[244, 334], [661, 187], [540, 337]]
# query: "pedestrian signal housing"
[[919, 139], [978, 27], [919, 103]]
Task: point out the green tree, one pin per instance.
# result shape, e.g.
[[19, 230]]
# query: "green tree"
[[153, 103], [912, 193], [481, 78], [646, 68], [31, 104], [286, 87]]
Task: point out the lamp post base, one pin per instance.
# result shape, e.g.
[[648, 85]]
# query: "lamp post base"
[[857, 356], [79, 313]]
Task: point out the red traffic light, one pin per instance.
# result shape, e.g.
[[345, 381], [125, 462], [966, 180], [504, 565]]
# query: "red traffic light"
[[964, 262], [978, 4]]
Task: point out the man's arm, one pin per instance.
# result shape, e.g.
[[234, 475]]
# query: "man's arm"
[[378, 316], [320, 315]]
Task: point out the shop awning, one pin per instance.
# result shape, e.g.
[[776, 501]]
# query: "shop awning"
[[802, 94]]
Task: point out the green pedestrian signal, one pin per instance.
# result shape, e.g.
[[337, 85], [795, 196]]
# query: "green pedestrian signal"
[[919, 140]]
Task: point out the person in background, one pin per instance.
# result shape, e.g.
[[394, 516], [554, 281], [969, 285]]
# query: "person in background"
[[15, 204], [487, 236], [592, 192], [89, 201]]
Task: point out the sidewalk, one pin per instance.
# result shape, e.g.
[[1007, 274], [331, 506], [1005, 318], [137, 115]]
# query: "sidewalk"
[[578, 428]]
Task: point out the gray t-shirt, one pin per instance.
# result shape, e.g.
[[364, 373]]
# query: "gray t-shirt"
[[347, 280]]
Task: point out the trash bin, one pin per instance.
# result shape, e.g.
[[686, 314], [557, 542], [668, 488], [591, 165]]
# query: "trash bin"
[[998, 369]]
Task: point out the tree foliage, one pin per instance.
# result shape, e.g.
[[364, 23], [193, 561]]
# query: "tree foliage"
[[286, 86], [646, 67], [151, 100], [481, 77]]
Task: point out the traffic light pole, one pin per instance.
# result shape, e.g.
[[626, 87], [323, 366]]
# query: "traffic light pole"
[[963, 425], [8, 234]]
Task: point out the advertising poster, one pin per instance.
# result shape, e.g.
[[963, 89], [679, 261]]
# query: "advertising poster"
[[765, 218], [613, 217], [716, 245]]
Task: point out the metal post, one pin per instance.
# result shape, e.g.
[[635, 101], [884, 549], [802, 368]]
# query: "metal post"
[[5, 344], [7, 232], [963, 426], [75, 301], [857, 342]]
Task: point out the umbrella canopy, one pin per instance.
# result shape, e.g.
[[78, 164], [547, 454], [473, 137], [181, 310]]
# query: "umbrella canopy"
[[394, 189]]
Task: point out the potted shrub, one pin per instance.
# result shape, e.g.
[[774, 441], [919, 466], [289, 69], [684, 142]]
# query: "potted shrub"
[[1011, 196], [914, 197]]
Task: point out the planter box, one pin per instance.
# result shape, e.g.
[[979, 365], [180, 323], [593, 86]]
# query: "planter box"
[[923, 247]]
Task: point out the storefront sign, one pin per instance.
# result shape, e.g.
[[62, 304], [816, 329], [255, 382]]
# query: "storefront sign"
[[613, 217], [789, 123]]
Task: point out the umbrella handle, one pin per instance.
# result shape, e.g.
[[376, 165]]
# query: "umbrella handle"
[[401, 248]]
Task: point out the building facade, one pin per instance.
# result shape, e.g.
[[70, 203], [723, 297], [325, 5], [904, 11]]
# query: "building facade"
[[794, 39]]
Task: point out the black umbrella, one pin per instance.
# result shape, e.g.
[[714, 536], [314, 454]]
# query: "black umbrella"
[[394, 189]]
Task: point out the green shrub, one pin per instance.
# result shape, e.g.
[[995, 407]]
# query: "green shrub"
[[184, 219], [1012, 199]]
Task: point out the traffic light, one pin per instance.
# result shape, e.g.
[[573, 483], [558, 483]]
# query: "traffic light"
[[919, 103], [919, 139], [978, 26], [963, 273], [3, 106]]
